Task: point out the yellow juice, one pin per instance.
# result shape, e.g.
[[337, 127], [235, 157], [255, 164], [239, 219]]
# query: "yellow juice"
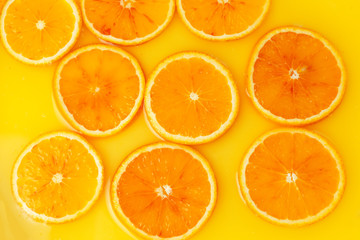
[[27, 110]]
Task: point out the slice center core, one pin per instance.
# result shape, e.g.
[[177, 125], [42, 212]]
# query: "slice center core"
[[95, 89], [194, 96], [126, 3], [223, 1], [291, 177], [57, 178], [294, 74], [164, 191], [40, 25]]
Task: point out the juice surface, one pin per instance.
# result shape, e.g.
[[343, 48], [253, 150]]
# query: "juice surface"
[[27, 110]]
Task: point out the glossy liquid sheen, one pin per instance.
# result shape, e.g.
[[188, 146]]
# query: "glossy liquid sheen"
[[27, 110]]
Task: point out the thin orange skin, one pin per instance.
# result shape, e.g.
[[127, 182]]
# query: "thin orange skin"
[[222, 38], [295, 224], [154, 125], [295, 122], [43, 63], [72, 121], [126, 222], [80, 214], [123, 42]]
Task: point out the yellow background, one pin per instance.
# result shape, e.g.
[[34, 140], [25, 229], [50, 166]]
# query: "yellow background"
[[27, 110]]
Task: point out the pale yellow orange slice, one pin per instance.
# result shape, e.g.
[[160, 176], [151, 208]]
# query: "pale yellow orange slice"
[[39, 31], [57, 177]]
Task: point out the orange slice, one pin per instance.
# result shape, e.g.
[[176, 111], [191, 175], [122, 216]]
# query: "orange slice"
[[295, 76], [164, 191], [222, 19], [191, 98], [57, 177], [99, 89], [39, 31], [127, 22], [291, 177]]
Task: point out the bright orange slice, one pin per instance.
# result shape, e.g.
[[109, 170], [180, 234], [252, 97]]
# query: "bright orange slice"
[[99, 89], [164, 191], [127, 22], [291, 177], [222, 19], [295, 76], [191, 98], [39, 31], [57, 177]]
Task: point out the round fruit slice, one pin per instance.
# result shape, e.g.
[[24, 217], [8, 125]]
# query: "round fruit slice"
[[127, 22], [295, 76], [99, 89], [164, 191], [39, 31], [291, 177], [191, 98], [222, 19], [57, 177]]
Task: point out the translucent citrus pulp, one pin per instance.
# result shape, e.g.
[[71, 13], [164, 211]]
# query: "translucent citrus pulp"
[[39, 31], [57, 177], [99, 89], [164, 191], [127, 22], [191, 98], [291, 177], [295, 76], [222, 19]]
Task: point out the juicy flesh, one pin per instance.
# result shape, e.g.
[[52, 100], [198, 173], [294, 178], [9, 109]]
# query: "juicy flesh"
[[127, 19], [191, 97], [58, 177], [99, 88], [164, 192], [291, 176], [37, 28], [295, 76], [220, 17]]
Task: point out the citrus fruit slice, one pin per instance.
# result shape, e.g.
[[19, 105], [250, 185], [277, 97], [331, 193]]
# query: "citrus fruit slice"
[[164, 191], [98, 89], [127, 22], [291, 177], [191, 98], [39, 31], [222, 19], [295, 76], [57, 177]]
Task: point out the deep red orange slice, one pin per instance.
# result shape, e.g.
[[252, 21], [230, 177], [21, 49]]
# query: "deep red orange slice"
[[295, 76], [127, 22], [98, 89]]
